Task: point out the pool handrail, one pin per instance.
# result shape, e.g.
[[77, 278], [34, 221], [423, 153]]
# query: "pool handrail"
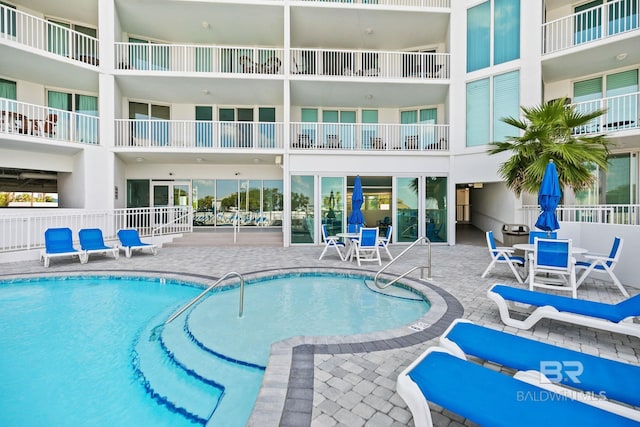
[[203, 293], [411, 270]]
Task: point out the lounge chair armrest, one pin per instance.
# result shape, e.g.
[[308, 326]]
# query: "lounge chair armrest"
[[505, 249]]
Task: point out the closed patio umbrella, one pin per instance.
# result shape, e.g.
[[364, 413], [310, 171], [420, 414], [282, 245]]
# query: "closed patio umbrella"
[[548, 198], [357, 198]]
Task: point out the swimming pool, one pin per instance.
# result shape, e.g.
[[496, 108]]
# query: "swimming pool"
[[87, 340]]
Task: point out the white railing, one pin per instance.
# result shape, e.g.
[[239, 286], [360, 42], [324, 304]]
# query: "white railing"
[[198, 58], [597, 23], [369, 136], [400, 3], [22, 119], [621, 113], [25, 230], [370, 63], [602, 214], [47, 36], [198, 134]]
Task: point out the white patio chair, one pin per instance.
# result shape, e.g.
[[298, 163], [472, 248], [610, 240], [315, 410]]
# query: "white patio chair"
[[503, 255], [551, 266], [383, 242], [604, 264], [331, 242], [366, 246]]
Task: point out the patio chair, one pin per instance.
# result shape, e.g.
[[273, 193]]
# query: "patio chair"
[[383, 242], [597, 376], [541, 235], [490, 398], [603, 264], [503, 255], [366, 246], [92, 242], [58, 242], [331, 242], [529, 307], [552, 257], [130, 241]]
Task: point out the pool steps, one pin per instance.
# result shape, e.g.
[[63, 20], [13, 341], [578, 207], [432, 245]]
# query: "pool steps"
[[180, 373], [171, 385]]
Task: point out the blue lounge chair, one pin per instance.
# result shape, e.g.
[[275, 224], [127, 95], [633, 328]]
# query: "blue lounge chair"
[[597, 376], [541, 235], [490, 398], [58, 242], [130, 241], [553, 257], [383, 242], [92, 242], [366, 246], [593, 314], [603, 264]]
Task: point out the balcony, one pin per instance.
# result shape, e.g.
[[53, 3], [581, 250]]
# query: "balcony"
[[37, 33], [188, 134], [198, 59], [370, 64], [598, 23], [370, 137], [621, 114], [395, 3], [592, 41], [20, 119]]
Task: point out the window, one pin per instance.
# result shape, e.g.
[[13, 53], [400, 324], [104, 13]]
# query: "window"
[[588, 22], [506, 103], [204, 127], [153, 125], [7, 19], [85, 120], [267, 127], [478, 36], [338, 128], [413, 135], [238, 134], [147, 55], [371, 138], [621, 92], [505, 33], [488, 101], [478, 113], [8, 89], [67, 39], [302, 209]]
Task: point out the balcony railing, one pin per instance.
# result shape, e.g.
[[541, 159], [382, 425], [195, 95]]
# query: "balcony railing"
[[601, 214], [621, 114], [405, 3], [22, 119], [25, 230], [369, 136], [198, 134], [390, 65], [597, 23], [198, 58], [47, 36]]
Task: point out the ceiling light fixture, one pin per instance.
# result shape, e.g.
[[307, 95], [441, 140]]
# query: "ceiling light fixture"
[[199, 159], [206, 25], [139, 159], [621, 56]]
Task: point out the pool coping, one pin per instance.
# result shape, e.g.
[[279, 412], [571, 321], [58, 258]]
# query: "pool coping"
[[286, 394]]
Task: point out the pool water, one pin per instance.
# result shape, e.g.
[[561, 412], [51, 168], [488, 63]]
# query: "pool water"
[[73, 349]]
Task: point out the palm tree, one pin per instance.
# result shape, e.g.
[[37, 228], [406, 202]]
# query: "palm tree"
[[549, 133]]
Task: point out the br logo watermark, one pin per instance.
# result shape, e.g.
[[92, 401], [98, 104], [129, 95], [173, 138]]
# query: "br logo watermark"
[[557, 371]]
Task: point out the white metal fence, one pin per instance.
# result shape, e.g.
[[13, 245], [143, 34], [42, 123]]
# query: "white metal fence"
[[47, 36], [21, 118], [597, 23], [369, 136], [621, 113], [198, 134], [198, 58], [25, 230], [603, 214], [390, 65]]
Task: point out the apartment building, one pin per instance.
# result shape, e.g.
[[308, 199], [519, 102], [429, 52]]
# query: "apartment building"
[[262, 112]]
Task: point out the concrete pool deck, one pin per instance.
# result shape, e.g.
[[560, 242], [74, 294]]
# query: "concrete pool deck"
[[351, 381]]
